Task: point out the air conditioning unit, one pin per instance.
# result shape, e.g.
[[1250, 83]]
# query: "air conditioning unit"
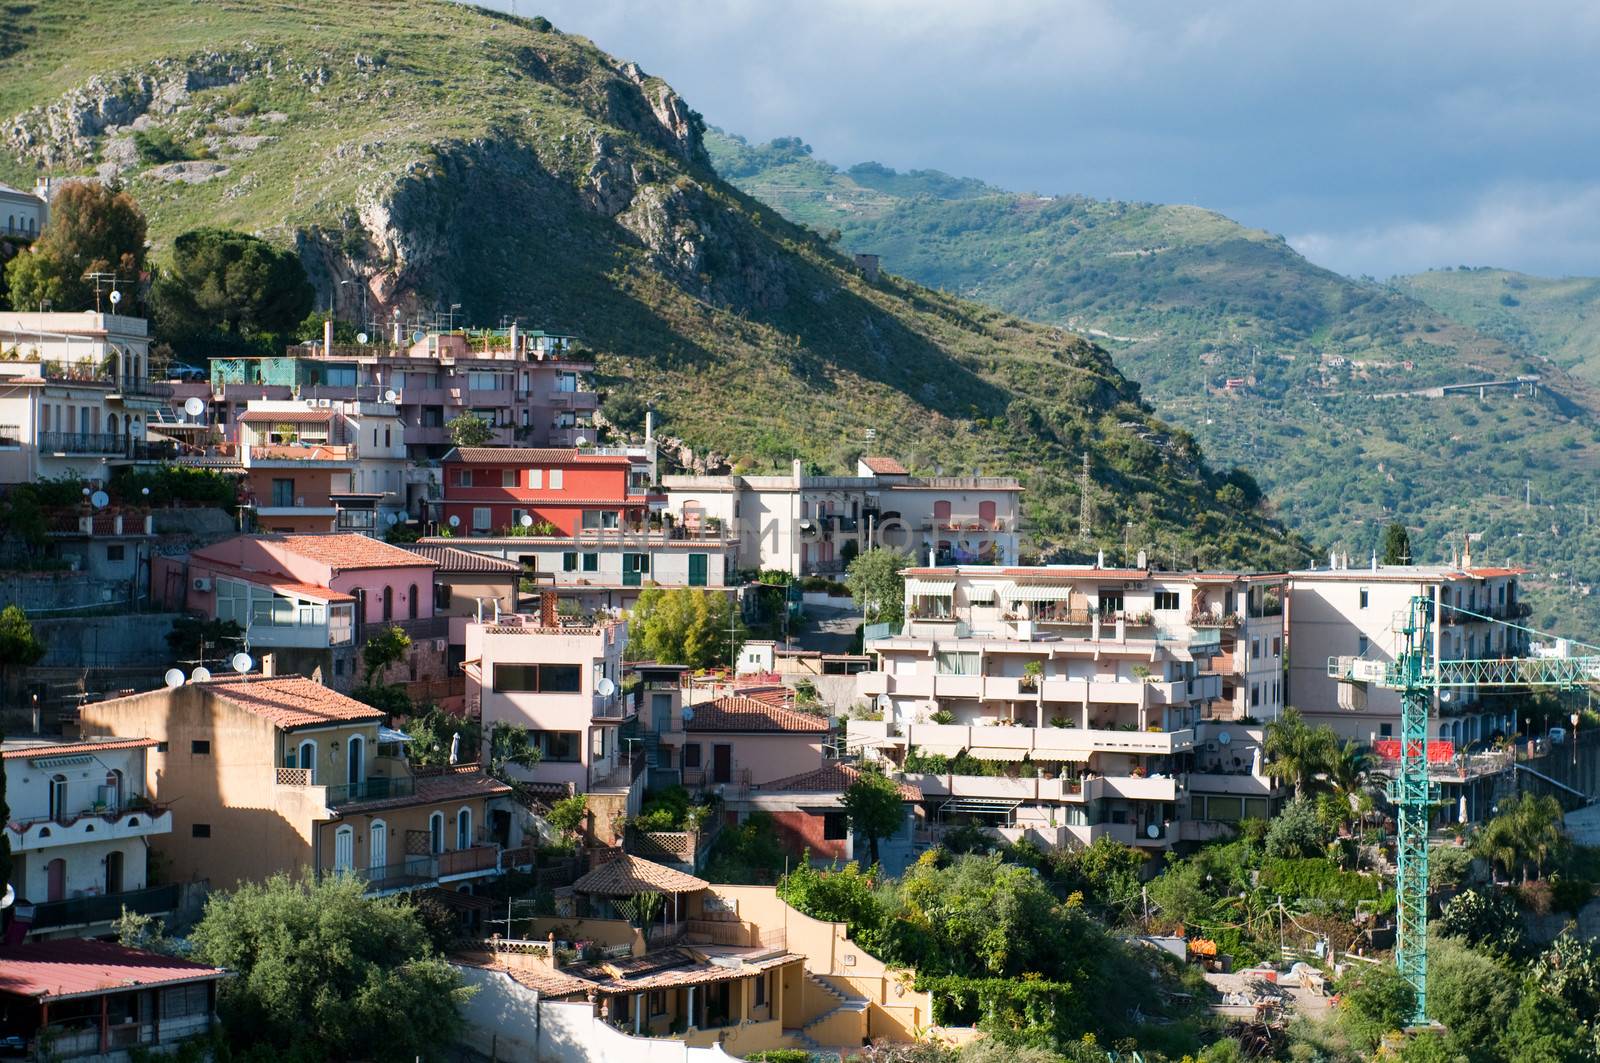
[[201, 583], [1210, 747]]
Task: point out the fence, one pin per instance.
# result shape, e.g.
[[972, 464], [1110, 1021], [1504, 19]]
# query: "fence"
[[104, 908]]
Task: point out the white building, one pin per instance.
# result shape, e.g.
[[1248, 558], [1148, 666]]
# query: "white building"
[[80, 826], [1094, 686], [75, 395], [813, 524], [22, 214]]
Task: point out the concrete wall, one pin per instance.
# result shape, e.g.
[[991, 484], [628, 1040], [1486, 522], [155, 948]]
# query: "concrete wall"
[[100, 641]]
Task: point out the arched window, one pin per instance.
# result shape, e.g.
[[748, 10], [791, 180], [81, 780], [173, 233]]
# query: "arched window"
[[308, 758], [378, 844], [411, 602], [344, 849], [941, 511], [388, 603], [114, 871], [436, 833], [111, 424], [464, 829], [355, 765], [986, 512], [58, 797], [116, 789]]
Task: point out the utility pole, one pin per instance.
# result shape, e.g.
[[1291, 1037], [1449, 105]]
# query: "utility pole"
[[1084, 513]]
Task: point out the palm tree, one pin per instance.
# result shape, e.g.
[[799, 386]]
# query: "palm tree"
[[1526, 832], [1296, 751], [1349, 771]]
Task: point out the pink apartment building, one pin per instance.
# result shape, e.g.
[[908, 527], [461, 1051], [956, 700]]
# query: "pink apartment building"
[[743, 741]]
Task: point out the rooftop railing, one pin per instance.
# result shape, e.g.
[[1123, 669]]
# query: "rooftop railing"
[[104, 908]]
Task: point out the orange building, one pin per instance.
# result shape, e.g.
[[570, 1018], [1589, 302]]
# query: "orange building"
[[489, 490]]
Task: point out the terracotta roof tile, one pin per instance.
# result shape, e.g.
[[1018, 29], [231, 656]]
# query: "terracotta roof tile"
[[748, 714], [627, 875], [457, 783], [885, 466], [27, 751], [532, 456], [351, 551], [271, 580], [831, 778], [453, 559], [285, 417], [669, 968], [58, 970], [291, 701]]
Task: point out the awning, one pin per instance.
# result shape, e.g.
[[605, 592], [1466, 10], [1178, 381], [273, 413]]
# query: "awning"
[[389, 734], [931, 585], [938, 751], [997, 752], [1034, 592], [1066, 756]]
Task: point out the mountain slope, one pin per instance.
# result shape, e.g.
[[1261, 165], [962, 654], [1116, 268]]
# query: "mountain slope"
[[1188, 300], [432, 153], [1558, 318]]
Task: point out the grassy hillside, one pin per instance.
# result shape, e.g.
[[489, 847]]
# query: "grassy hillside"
[[1187, 299], [431, 153], [1558, 318]]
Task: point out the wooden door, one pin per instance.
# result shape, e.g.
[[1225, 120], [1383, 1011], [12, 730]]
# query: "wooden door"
[[721, 763], [56, 880]]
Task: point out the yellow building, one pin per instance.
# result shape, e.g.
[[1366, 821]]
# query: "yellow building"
[[283, 774]]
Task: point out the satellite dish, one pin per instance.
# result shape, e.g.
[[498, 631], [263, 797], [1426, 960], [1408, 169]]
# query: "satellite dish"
[[394, 518], [605, 688], [418, 336], [687, 714], [885, 704], [582, 441], [86, 492], [390, 395], [1223, 738], [1153, 830], [361, 337], [527, 522], [242, 663], [10, 897], [1445, 695], [193, 406], [173, 678], [455, 521], [200, 675], [116, 297], [99, 500]]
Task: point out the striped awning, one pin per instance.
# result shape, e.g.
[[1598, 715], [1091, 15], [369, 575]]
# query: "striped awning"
[[935, 585], [938, 751], [997, 752], [1068, 756], [1037, 592]]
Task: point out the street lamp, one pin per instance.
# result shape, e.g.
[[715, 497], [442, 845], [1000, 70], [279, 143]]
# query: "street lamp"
[[1574, 718]]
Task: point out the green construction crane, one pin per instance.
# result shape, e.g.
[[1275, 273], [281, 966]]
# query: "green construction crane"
[[1418, 676]]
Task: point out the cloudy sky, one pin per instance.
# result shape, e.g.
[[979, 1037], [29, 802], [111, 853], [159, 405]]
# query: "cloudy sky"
[[1378, 137]]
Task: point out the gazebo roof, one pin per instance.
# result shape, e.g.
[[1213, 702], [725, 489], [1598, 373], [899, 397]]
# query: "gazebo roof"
[[627, 875]]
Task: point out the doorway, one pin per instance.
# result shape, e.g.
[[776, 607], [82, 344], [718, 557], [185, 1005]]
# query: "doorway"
[[721, 763], [114, 872]]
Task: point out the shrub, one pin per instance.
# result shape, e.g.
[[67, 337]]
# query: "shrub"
[[1296, 831], [1319, 879]]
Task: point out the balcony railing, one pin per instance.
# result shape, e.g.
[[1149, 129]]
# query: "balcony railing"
[[104, 908], [466, 861], [428, 627], [378, 788], [83, 442]]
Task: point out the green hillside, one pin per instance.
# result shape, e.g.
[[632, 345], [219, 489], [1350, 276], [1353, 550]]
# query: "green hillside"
[[1187, 299], [1557, 318], [433, 153]]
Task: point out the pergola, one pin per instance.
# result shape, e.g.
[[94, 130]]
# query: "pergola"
[[628, 876]]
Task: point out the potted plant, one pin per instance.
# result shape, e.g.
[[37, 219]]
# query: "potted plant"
[[942, 716], [1031, 674]]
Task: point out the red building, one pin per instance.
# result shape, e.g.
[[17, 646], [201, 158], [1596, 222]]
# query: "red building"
[[489, 490]]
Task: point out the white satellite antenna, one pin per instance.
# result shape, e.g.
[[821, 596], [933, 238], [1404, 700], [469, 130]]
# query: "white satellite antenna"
[[242, 663], [390, 395], [173, 678], [99, 500], [687, 714], [1153, 830], [10, 897], [418, 336], [394, 518], [116, 297], [193, 406], [527, 522], [361, 338], [582, 441], [605, 688], [200, 674], [455, 521], [885, 704]]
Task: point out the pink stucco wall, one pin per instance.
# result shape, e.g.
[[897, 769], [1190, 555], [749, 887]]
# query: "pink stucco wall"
[[765, 756]]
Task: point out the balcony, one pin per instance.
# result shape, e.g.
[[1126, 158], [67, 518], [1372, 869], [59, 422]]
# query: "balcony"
[[377, 788], [614, 706], [1045, 743], [88, 825], [475, 862], [1151, 788], [65, 443], [85, 911], [1027, 789], [426, 627]]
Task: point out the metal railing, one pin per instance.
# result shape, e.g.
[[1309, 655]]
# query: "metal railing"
[[104, 908], [10, 435], [84, 442], [378, 788]]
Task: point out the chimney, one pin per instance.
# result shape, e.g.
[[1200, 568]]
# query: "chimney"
[[650, 445], [1100, 560], [547, 609], [327, 333], [513, 339], [796, 469], [497, 610], [1333, 558], [1374, 560], [1144, 561], [397, 326]]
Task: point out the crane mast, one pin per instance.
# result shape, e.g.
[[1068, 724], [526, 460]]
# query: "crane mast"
[[1416, 675]]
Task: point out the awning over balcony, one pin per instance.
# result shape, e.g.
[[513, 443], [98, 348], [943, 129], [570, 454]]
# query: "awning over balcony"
[[938, 751], [997, 753], [1037, 592], [1067, 756], [933, 585]]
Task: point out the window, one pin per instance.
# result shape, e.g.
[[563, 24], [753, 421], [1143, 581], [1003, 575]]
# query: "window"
[[200, 830], [482, 517], [538, 678], [411, 602], [58, 796], [594, 519], [569, 561], [1110, 601], [835, 826], [1386, 730], [559, 747], [1277, 646], [761, 989], [555, 479], [463, 478], [1361, 645], [436, 833], [344, 849], [691, 756], [536, 479], [1166, 601], [441, 596], [508, 478], [115, 553], [591, 562], [161, 747], [1255, 649], [1255, 694], [283, 493], [200, 747], [658, 1001], [186, 1001], [1365, 597], [388, 603], [464, 829], [952, 663]]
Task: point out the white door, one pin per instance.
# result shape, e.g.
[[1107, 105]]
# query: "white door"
[[380, 845], [344, 849]]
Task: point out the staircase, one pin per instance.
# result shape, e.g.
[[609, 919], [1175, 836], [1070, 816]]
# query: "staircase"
[[843, 1024]]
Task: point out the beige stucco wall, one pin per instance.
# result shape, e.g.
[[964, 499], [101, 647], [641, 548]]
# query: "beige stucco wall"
[[765, 756]]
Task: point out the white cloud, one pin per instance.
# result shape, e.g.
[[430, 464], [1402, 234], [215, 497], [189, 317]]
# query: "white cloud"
[[1557, 228]]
